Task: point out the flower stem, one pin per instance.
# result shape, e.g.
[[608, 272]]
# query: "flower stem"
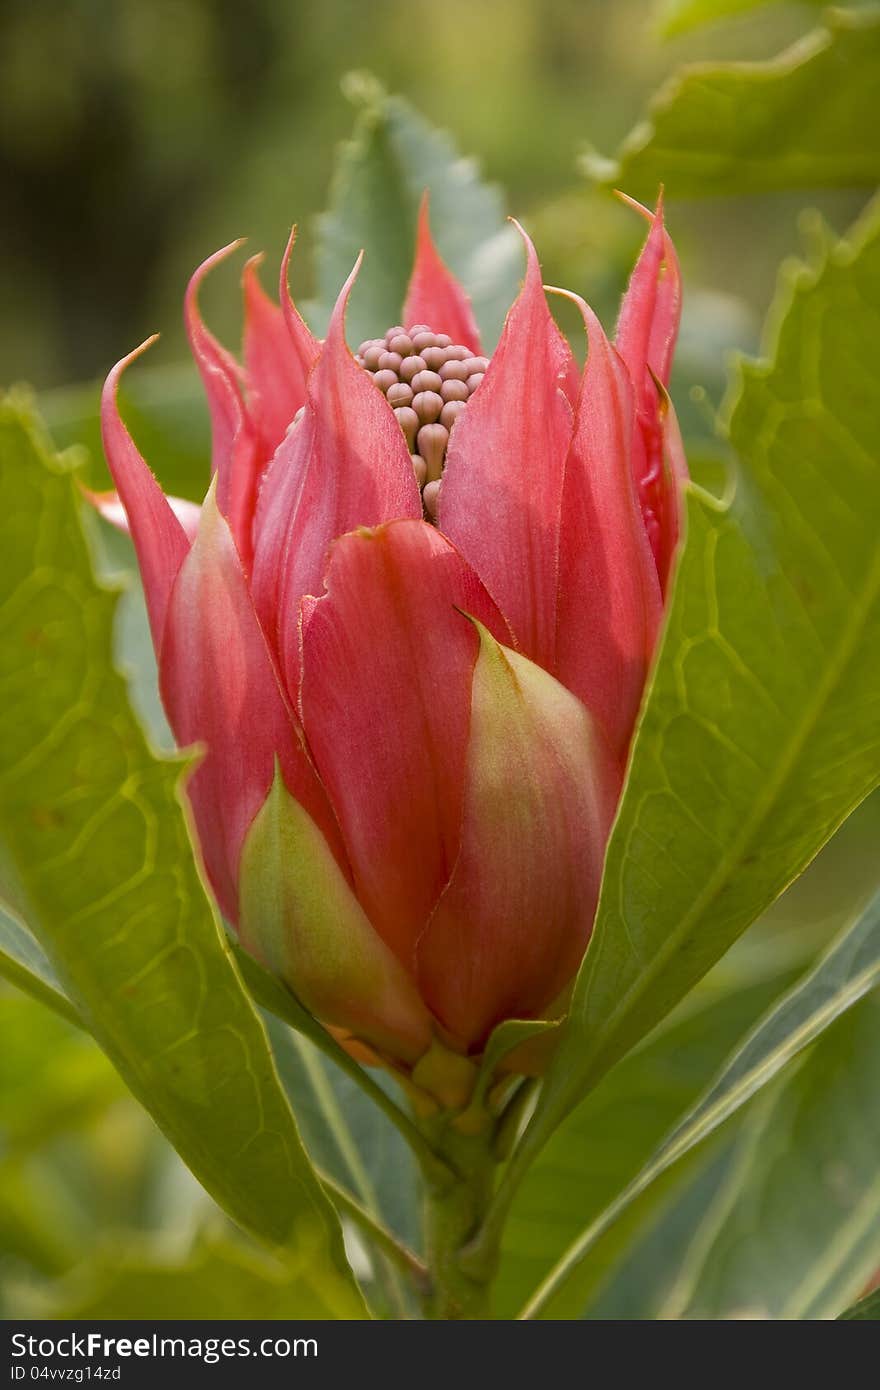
[[434, 1167], [453, 1214]]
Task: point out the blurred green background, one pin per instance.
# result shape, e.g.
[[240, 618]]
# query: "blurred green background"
[[136, 137]]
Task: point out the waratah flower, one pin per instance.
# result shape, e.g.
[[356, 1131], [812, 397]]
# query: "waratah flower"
[[410, 626]]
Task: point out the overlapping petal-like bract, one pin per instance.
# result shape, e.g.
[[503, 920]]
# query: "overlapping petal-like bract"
[[414, 735]]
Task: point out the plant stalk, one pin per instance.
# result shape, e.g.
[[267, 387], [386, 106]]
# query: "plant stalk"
[[453, 1215]]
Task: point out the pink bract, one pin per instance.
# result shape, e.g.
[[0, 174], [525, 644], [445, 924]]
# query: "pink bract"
[[443, 711]]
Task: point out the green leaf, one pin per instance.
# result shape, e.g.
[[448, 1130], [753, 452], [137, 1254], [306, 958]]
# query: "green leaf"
[[803, 120], [845, 975], [219, 1281], [93, 833], [347, 1136], [797, 1235], [760, 731], [25, 964], [678, 16], [849, 971], [606, 1141], [638, 1285], [378, 184], [866, 1310], [351, 1142], [836, 887]]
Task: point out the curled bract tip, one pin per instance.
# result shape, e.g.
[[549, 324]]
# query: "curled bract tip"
[[640, 208], [336, 327], [252, 265], [208, 264], [119, 367]]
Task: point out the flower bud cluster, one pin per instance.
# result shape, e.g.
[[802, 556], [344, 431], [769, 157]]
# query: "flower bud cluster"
[[427, 380]]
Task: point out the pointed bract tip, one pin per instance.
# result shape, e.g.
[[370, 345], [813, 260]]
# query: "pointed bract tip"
[[227, 250], [336, 326], [533, 265], [190, 299], [210, 509], [208, 264], [434, 295], [305, 344], [646, 213], [195, 280], [251, 267], [590, 317], [563, 293], [210, 518], [111, 383], [288, 252], [158, 536], [119, 367]]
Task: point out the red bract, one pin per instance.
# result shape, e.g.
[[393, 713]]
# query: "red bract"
[[414, 734]]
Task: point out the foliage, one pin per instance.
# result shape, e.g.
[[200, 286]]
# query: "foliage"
[[703, 1143], [97, 859], [802, 120]]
